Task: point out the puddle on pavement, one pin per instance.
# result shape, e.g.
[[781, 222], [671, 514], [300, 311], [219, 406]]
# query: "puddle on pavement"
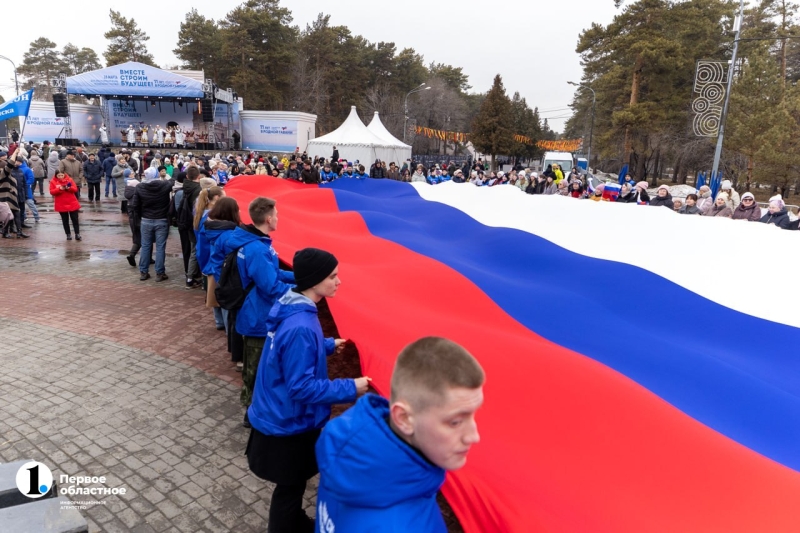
[[70, 255]]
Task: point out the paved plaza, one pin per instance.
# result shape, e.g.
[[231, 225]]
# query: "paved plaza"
[[104, 375]]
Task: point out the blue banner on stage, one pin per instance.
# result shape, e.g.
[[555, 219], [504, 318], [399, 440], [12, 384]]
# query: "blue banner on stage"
[[18, 107], [134, 79]]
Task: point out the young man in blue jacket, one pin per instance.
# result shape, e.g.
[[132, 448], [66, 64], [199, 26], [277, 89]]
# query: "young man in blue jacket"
[[361, 174], [293, 395], [382, 462], [327, 175], [258, 265]]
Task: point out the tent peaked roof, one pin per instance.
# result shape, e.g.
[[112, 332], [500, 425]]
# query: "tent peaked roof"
[[352, 131], [377, 127], [134, 79]]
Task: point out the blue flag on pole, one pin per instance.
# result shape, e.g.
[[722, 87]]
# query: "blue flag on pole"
[[17, 107]]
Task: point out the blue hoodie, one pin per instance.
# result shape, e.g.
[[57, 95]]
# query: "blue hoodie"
[[210, 230], [29, 180], [258, 262], [292, 393], [370, 479], [325, 177]]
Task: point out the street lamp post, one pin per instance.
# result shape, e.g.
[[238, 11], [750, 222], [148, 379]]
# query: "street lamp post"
[[724, 116], [16, 82], [405, 107], [591, 129]]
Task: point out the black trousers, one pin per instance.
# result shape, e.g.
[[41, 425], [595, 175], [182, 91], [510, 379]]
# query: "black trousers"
[[235, 341], [136, 234], [40, 181], [286, 514], [65, 218], [186, 248], [94, 191]]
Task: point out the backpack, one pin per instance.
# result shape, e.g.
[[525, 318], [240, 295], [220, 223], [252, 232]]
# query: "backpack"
[[175, 209], [185, 219], [229, 292]]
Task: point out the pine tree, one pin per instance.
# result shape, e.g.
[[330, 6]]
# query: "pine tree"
[[128, 42], [40, 64], [78, 60], [492, 128], [199, 43]]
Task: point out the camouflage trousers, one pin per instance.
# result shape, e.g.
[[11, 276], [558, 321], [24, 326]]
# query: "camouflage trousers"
[[253, 347]]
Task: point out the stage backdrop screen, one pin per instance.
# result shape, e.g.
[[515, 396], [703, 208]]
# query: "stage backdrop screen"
[[269, 135]]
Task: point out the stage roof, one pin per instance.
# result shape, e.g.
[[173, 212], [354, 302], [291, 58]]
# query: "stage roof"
[[134, 81]]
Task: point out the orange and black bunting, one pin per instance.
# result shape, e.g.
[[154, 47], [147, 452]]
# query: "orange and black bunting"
[[570, 145]]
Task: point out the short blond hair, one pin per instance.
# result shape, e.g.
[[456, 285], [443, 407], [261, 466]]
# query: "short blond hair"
[[428, 367]]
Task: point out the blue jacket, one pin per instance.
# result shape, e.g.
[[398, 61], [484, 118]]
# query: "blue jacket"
[[108, 165], [433, 179], [325, 177], [370, 479], [292, 393], [258, 262], [29, 180], [210, 231], [360, 176]]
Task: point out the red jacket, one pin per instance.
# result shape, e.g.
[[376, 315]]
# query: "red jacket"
[[66, 200]]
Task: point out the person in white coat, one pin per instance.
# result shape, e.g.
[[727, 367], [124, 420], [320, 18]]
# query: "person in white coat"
[[180, 137], [159, 136], [727, 188], [103, 134], [131, 136]]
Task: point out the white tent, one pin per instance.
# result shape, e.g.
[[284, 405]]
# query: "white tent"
[[354, 142], [402, 150]]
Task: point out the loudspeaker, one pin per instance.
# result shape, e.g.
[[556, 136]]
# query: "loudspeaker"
[[208, 110], [66, 141], [62, 104]]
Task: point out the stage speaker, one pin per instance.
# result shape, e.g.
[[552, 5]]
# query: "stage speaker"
[[208, 110], [62, 104], [66, 141]]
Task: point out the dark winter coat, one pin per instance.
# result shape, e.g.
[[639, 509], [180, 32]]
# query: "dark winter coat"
[[689, 210], [752, 213], [151, 199], [293, 174], [129, 190], [629, 198], [376, 171], [108, 165], [93, 171], [309, 176], [780, 219], [666, 201]]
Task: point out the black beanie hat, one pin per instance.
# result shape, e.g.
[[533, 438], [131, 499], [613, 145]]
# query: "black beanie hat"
[[311, 266]]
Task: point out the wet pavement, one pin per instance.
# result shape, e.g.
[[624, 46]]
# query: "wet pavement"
[[105, 375]]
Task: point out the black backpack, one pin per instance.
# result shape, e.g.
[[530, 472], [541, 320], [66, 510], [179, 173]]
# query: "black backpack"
[[229, 292], [184, 218]]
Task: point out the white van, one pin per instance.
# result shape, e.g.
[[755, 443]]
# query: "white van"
[[562, 159]]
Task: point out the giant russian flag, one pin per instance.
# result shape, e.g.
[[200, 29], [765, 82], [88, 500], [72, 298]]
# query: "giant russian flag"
[[641, 366]]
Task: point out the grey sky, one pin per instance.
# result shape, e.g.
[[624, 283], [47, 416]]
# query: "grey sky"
[[530, 43]]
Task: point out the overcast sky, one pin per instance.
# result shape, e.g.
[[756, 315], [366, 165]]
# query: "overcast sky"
[[530, 43]]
